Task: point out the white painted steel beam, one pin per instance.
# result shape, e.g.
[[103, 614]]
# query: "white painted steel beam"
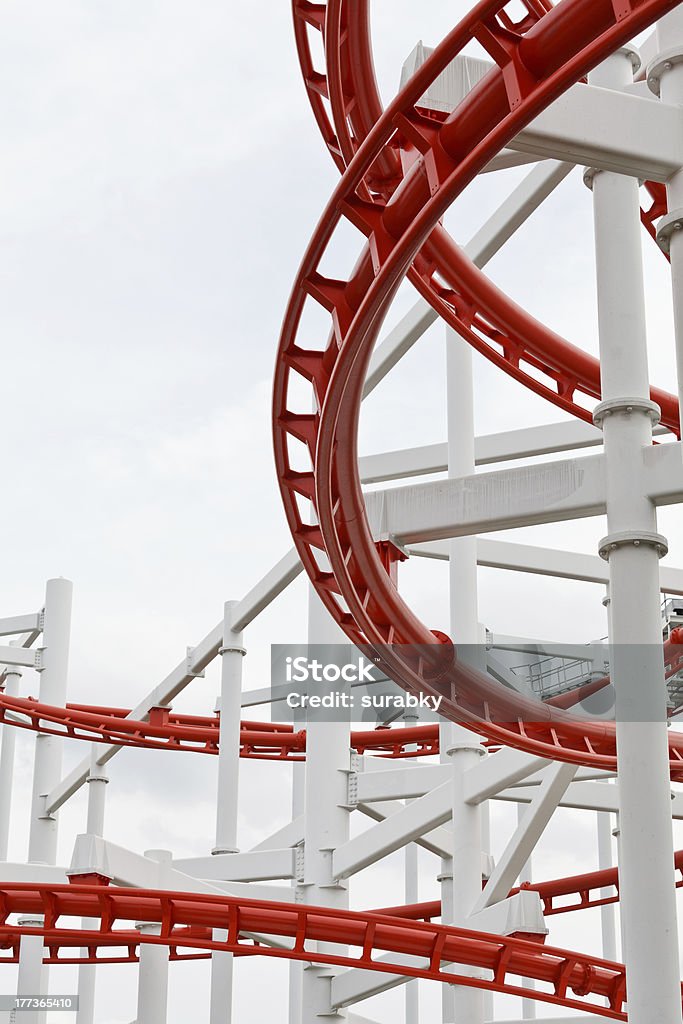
[[568, 565], [124, 867], [606, 128], [527, 834], [488, 450], [485, 502], [586, 796], [399, 784], [499, 771], [241, 867], [20, 624], [18, 656], [41, 874]]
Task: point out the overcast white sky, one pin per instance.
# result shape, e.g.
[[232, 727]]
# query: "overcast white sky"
[[161, 175]]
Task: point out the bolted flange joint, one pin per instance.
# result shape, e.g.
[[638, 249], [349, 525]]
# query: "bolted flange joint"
[[662, 63], [668, 225], [232, 650], [626, 406], [474, 748], [635, 539]]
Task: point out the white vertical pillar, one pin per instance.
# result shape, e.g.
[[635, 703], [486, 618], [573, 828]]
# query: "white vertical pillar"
[[665, 77], [633, 548], [47, 766], [328, 761], [232, 652], [411, 895], [298, 807], [9, 735], [48, 750], [463, 747], [153, 967], [32, 978], [526, 875], [97, 787], [607, 918]]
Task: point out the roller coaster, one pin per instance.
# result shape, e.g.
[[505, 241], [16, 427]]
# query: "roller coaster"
[[556, 86]]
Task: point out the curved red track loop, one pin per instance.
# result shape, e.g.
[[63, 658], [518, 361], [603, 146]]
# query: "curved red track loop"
[[573, 980], [490, 321], [539, 63]]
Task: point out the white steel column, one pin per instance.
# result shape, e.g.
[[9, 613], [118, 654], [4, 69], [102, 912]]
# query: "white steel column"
[[9, 735], [665, 76], [97, 788], [463, 748], [526, 875], [607, 917], [47, 766], [633, 547], [298, 808], [32, 978], [411, 892], [153, 968], [328, 762], [232, 651], [48, 752]]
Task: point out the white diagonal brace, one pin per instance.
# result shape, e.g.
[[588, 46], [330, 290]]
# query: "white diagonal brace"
[[290, 834], [355, 984], [498, 771], [266, 590], [438, 841], [406, 825], [527, 834], [200, 656]]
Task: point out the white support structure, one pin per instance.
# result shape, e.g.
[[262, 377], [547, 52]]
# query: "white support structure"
[[12, 678], [328, 754], [97, 787], [648, 908], [153, 971], [42, 843], [232, 652]]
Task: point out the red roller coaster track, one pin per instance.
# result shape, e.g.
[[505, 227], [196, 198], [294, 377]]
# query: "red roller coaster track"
[[397, 206], [401, 169], [572, 980]]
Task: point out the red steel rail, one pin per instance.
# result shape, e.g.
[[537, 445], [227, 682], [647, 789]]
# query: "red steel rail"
[[572, 980]]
